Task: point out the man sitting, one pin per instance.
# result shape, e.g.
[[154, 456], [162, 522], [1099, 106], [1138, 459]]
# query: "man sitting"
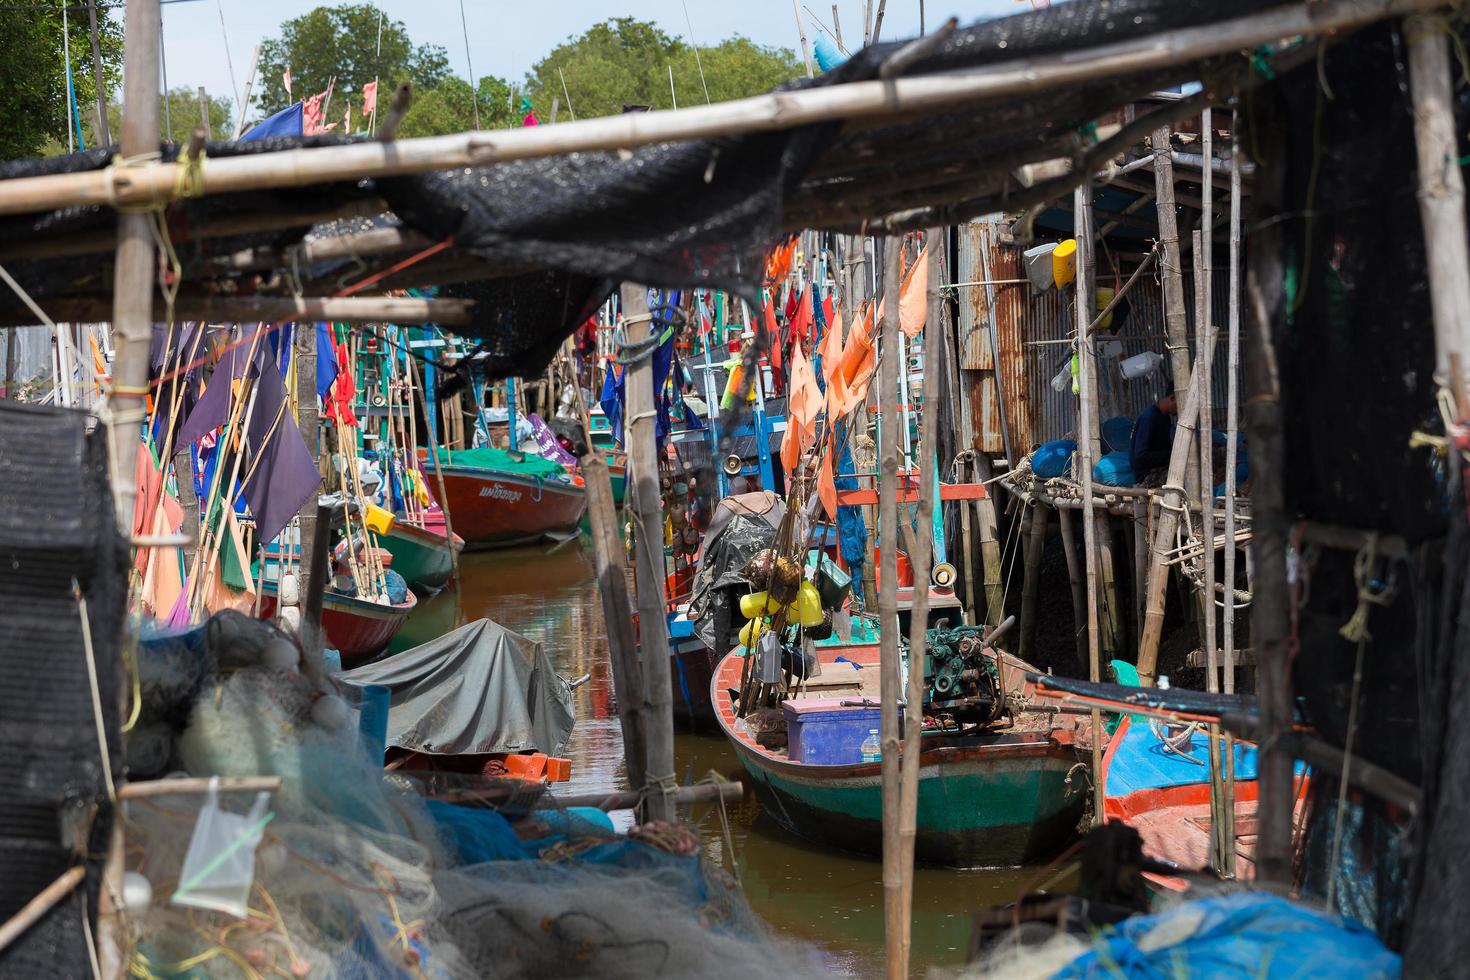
[[1153, 440]]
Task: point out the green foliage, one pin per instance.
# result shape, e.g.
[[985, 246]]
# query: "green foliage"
[[183, 115], [342, 41], [33, 77], [449, 108], [626, 62]]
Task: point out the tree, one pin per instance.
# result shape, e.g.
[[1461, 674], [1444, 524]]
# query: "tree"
[[183, 116], [626, 62], [33, 96], [342, 41], [450, 108]]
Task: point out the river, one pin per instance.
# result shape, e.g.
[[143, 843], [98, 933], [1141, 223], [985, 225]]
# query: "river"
[[829, 899]]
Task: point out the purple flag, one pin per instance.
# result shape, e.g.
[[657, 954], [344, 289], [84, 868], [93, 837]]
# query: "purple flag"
[[212, 409], [546, 442], [282, 473]]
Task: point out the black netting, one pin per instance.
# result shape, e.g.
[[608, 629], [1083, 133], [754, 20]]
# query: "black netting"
[[56, 532]]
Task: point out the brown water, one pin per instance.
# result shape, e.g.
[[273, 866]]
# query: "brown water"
[[830, 899]]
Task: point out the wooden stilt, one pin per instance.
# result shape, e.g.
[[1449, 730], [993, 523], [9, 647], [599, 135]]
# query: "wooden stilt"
[[1087, 446], [617, 610], [1031, 584], [648, 507], [1075, 576], [888, 670]]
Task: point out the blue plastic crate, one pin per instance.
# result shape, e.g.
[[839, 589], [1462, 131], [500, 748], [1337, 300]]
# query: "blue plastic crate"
[[820, 732]]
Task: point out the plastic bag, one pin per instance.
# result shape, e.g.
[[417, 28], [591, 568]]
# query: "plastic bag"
[[219, 866]]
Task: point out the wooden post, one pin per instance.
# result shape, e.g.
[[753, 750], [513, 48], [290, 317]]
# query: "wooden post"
[[806, 51], [312, 636], [204, 113], [103, 130], [132, 313], [1035, 548], [1087, 445], [1074, 575], [648, 508], [309, 422], [612, 586], [1232, 435], [1441, 188], [1270, 600], [919, 615], [1176, 315], [888, 669], [11, 336], [995, 605]]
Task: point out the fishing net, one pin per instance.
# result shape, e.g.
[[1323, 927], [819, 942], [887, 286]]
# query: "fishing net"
[[505, 461], [362, 873]]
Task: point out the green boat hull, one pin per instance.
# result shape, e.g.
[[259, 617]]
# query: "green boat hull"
[[424, 558]]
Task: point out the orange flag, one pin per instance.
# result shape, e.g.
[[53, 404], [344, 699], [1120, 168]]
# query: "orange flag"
[[772, 337], [831, 348], [805, 398], [791, 447], [913, 296], [827, 486]]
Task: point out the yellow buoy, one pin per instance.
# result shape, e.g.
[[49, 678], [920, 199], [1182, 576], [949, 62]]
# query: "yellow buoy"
[[1064, 263], [1105, 296]]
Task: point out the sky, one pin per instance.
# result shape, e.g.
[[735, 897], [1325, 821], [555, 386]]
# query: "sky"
[[507, 38]]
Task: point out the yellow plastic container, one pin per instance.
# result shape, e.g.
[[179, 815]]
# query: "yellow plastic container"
[[1064, 263], [751, 632], [378, 520], [809, 605], [1105, 296]]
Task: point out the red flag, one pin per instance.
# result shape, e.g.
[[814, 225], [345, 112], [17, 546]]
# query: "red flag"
[[286, 80], [829, 310], [370, 98], [772, 337], [802, 321], [530, 119]]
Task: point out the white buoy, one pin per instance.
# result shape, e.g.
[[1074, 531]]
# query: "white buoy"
[[137, 893], [289, 591], [289, 619], [330, 712]]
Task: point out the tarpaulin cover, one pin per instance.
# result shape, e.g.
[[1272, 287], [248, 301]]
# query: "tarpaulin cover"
[[482, 688], [505, 461], [57, 534], [747, 524], [1250, 935]]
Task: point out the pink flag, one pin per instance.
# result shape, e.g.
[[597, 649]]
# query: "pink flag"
[[370, 98], [347, 120], [311, 115], [286, 80]]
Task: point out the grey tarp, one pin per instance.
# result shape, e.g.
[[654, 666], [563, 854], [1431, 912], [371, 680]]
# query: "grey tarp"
[[741, 526], [481, 688]]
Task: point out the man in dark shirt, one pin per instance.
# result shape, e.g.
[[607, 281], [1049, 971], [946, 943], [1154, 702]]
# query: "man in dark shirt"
[[1153, 437]]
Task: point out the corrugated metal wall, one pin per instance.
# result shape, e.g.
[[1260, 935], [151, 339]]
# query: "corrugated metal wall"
[[1033, 331]]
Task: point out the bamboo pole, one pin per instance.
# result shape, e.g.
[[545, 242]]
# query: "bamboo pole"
[[806, 51], [261, 309], [989, 546], [919, 614], [35, 910], [1232, 435], [1074, 577], [780, 110], [1176, 318], [1087, 445], [648, 508], [99, 78], [888, 670], [1441, 188], [245, 99], [416, 380], [1031, 583], [309, 422], [612, 586]]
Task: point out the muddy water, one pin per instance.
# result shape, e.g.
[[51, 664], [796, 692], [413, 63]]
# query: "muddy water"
[[827, 898]]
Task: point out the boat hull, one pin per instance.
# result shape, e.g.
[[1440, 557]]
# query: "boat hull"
[[493, 509], [355, 628], [990, 800], [423, 557]]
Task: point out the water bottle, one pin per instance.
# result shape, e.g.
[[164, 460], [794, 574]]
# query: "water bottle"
[[872, 748]]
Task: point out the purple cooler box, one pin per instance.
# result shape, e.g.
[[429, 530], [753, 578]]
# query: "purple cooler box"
[[820, 732]]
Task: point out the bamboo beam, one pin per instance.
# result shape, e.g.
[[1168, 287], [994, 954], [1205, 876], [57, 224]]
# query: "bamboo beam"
[[919, 614], [147, 789], [151, 182], [888, 669], [653, 635], [617, 610], [266, 309], [723, 792], [1441, 188], [1087, 445]]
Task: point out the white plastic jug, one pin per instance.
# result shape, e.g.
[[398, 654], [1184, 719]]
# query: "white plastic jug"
[[1141, 365], [219, 866]]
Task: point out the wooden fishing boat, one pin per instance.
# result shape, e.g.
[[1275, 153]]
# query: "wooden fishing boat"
[[423, 555], [998, 798], [498, 509], [356, 628]]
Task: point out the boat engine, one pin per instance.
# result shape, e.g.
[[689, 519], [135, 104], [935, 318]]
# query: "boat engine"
[[960, 676]]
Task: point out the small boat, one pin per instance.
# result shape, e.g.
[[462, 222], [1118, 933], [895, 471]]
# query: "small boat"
[[422, 554], [356, 628], [994, 798], [501, 506]]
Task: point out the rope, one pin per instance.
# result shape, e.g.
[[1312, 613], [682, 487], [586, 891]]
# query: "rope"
[[1371, 592], [76, 591]]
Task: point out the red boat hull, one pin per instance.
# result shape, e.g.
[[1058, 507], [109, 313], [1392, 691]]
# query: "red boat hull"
[[493, 509], [355, 628]]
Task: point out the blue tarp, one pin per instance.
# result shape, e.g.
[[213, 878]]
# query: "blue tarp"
[[1247, 935], [287, 122]]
